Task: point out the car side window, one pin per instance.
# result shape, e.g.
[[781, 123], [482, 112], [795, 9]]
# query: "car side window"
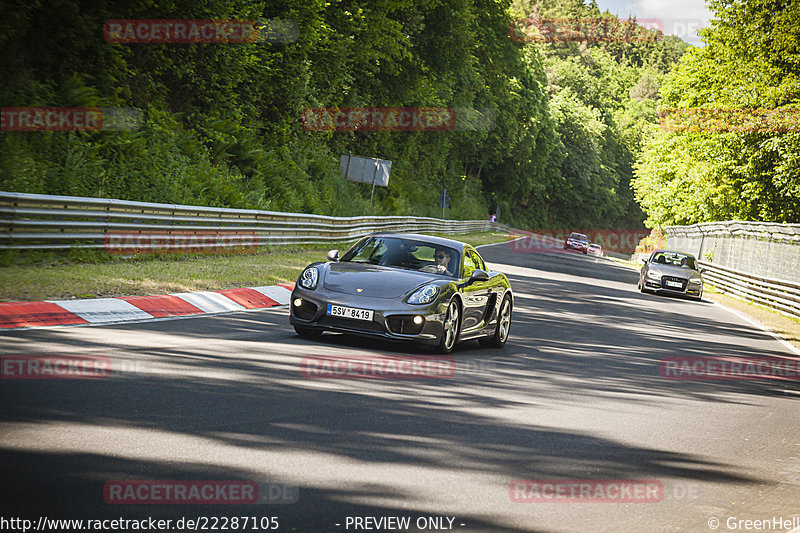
[[476, 259], [469, 264]]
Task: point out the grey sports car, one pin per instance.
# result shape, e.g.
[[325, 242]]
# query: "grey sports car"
[[405, 287], [671, 272]]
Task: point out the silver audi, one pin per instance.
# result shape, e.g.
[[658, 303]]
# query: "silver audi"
[[667, 271]]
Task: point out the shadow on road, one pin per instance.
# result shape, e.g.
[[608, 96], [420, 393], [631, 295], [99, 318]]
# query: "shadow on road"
[[586, 338]]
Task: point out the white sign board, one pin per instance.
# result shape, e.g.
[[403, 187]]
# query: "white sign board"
[[365, 169]]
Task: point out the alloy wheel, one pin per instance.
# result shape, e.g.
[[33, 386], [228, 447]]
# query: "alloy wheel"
[[451, 325], [505, 321]]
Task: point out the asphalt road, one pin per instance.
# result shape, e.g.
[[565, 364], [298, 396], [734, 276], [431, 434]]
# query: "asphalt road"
[[575, 395]]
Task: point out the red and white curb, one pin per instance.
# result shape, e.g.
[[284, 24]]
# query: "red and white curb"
[[18, 315]]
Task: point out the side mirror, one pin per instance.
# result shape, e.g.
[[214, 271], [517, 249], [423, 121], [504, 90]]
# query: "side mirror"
[[333, 255], [478, 275]]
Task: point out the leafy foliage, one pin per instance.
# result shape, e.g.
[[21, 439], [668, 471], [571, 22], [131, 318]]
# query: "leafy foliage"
[[751, 60], [223, 122]]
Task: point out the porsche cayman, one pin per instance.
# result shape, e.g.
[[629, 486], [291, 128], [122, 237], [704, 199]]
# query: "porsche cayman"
[[405, 287]]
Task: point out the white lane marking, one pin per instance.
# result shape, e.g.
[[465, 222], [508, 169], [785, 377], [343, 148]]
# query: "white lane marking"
[[103, 310], [761, 327], [504, 242], [277, 293], [210, 302]]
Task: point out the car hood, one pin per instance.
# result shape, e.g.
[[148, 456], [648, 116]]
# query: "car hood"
[[374, 281], [670, 270]]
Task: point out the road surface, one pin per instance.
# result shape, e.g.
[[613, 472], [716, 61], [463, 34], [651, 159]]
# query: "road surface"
[[577, 395]]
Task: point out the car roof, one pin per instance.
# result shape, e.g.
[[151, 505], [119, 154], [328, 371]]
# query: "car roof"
[[674, 252], [441, 241]]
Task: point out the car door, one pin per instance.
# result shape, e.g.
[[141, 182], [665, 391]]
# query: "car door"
[[476, 294]]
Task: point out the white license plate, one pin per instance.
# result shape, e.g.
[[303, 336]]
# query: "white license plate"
[[677, 284], [349, 312]]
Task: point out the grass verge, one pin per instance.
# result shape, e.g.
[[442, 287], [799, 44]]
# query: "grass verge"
[[87, 274]]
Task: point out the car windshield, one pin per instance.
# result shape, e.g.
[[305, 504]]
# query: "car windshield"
[[675, 259], [578, 237], [408, 254]]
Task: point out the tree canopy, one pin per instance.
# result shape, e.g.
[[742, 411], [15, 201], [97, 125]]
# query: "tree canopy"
[[565, 120], [735, 162]]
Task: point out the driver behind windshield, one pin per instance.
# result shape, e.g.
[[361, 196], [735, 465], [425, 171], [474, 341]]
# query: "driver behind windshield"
[[441, 263], [442, 260], [683, 261]]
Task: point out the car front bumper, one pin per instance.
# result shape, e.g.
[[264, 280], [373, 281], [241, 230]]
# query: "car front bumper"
[[391, 319], [576, 246], [692, 289]]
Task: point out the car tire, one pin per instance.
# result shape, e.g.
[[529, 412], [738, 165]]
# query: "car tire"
[[498, 340], [308, 333], [451, 327]]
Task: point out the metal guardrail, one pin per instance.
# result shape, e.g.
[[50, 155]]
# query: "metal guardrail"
[[36, 221], [757, 261], [764, 249], [781, 295]]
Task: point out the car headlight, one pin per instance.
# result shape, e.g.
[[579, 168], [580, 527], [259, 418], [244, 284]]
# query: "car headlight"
[[696, 281], [309, 278], [424, 295], [653, 275]]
